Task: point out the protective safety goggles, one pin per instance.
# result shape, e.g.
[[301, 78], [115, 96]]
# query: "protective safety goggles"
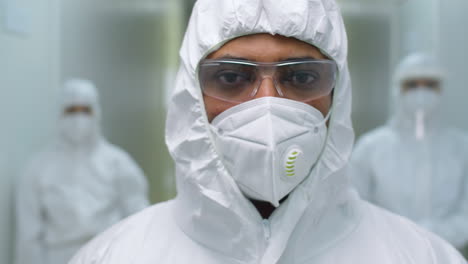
[[239, 81]]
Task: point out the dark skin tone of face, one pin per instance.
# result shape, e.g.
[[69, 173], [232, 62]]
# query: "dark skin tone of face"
[[429, 83], [78, 109], [265, 48]]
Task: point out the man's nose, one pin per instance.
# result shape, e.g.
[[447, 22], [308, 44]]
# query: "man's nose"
[[267, 88]]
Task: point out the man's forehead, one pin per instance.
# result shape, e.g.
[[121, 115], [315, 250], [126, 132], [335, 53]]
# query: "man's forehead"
[[266, 48]]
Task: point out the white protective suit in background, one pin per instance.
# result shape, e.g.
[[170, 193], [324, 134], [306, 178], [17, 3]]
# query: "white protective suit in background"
[[423, 177], [211, 222], [76, 188]]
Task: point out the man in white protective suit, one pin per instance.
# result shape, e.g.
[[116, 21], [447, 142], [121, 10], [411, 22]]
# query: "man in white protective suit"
[[259, 127], [77, 187], [414, 165]]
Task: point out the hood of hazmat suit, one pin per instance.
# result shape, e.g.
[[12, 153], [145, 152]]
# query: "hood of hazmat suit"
[[80, 130], [77, 187], [211, 221], [416, 112], [413, 165]]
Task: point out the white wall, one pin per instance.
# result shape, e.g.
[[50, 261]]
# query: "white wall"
[[454, 57], [370, 31], [419, 26], [28, 85]]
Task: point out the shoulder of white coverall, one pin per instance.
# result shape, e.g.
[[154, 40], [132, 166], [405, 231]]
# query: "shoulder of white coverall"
[[115, 153], [33, 167], [443, 251], [119, 238], [422, 245], [369, 140]]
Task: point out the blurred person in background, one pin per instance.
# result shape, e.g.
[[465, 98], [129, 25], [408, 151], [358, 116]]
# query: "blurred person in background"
[[77, 187], [259, 127], [415, 165]]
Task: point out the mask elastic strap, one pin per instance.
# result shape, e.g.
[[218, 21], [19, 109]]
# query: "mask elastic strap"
[[324, 121]]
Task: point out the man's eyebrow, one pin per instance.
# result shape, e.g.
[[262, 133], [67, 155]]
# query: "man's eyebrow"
[[231, 57], [301, 58]]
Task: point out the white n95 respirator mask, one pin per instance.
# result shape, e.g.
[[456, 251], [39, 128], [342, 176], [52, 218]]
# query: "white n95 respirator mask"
[[420, 103], [421, 99], [78, 128], [270, 145]]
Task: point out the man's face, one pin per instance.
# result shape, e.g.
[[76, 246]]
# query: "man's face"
[[265, 48]]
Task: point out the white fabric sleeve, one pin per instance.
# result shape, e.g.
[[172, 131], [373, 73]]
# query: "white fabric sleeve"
[[29, 221], [132, 187]]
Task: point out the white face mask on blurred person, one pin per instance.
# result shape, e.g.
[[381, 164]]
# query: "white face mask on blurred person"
[[78, 128], [270, 145], [420, 103], [421, 99]]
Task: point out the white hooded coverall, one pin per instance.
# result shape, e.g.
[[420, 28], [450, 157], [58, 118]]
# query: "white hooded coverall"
[[424, 179], [211, 222], [74, 189]]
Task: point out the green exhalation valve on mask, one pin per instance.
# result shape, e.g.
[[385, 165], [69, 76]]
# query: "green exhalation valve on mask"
[[290, 164]]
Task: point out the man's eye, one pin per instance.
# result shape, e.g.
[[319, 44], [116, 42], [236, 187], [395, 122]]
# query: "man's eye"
[[302, 78], [232, 78]]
